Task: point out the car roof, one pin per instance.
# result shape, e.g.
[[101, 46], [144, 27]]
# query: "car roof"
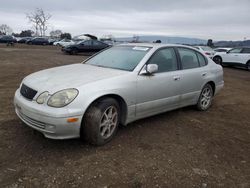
[[154, 45]]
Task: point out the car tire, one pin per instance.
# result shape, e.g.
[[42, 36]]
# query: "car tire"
[[58, 44], [248, 65], [101, 121], [206, 97], [74, 51], [217, 60]]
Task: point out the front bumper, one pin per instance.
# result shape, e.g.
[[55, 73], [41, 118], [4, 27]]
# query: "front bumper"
[[53, 124]]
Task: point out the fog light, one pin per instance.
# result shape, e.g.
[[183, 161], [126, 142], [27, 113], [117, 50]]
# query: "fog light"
[[72, 120]]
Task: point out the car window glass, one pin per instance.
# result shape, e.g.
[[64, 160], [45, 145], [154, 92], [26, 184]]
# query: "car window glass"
[[201, 59], [188, 57], [120, 57], [246, 51], [235, 50], [165, 59], [96, 43], [87, 43]]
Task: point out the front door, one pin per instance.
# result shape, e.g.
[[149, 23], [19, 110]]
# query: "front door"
[[159, 92]]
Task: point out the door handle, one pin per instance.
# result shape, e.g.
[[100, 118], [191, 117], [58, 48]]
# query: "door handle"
[[176, 78], [204, 74]]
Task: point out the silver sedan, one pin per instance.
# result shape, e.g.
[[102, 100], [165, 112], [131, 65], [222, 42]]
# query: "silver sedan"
[[116, 86]]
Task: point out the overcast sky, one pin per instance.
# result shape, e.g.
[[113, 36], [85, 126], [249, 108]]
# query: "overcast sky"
[[216, 19]]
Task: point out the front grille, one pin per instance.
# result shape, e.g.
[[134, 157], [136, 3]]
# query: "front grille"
[[27, 92], [31, 121]]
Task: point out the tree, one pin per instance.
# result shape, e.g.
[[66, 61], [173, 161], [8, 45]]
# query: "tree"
[[26, 33], [5, 29], [56, 33], [66, 35], [40, 21], [210, 43]]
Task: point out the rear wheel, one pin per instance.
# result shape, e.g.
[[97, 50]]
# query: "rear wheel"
[[248, 65], [218, 60], [205, 99], [74, 51], [101, 121]]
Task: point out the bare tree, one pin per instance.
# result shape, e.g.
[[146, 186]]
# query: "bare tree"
[[56, 33], [5, 29], [40, 21]]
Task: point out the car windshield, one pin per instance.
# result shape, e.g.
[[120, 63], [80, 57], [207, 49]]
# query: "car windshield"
[[206, 48], [119, 57]]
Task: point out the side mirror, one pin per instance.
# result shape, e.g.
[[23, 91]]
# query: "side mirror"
[[149, 69]]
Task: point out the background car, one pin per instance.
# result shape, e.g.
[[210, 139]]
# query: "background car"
[[64, 42], [222, 50], [239, 56], [7, 39], [89, 46], [24, 40], [38, 41], [51, 41], [206, 50]]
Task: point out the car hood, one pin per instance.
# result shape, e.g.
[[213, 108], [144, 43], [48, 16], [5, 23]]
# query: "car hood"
[[69, 76]]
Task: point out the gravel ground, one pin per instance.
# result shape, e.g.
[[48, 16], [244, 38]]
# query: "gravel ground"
[[182, 148]]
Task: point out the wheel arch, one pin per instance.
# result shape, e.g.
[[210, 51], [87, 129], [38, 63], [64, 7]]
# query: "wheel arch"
[[218, 56], [212, 85], [119, 99]]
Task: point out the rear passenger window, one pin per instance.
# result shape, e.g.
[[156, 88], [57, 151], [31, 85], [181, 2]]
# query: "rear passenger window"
[[202, 59], [188, 57], [246, 51], [165, 59]]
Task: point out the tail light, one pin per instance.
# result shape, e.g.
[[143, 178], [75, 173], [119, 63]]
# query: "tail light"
[[207, 53]]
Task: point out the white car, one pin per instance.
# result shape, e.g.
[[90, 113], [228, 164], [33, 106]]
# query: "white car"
[[239, 56], [206, 50], [64, 42], [222, 50], [119, 85]]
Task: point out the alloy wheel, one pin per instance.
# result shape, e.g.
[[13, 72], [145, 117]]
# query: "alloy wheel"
[[206, 97], [108, 122]]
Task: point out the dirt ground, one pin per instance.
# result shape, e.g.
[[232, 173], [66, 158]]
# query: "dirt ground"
[[182, 148]]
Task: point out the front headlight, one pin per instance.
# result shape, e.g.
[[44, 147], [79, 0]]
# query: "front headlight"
[[42, 97], [62, 98]]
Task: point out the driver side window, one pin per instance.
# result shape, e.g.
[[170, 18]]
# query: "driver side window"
[[165, 59]]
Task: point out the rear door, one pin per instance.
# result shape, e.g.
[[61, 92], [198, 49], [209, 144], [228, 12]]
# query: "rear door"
[[244, 56], [97, 46], [232, 56], [85, 46], [193, 75]]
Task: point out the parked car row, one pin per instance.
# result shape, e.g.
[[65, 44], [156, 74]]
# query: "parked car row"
[[91, 46]]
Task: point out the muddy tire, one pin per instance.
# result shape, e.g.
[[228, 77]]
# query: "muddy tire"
[[205, 99], [101, 121]]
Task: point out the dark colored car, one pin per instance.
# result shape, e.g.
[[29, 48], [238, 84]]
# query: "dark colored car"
[[7, 39], [89, 46], [38, 41], [24, 40]]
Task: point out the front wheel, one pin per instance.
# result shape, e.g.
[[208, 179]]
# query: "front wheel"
[[101, 121], [218, 60], [205, 99]]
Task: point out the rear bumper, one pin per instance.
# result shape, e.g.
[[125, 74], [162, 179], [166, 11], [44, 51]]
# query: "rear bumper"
[[52, 126]]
